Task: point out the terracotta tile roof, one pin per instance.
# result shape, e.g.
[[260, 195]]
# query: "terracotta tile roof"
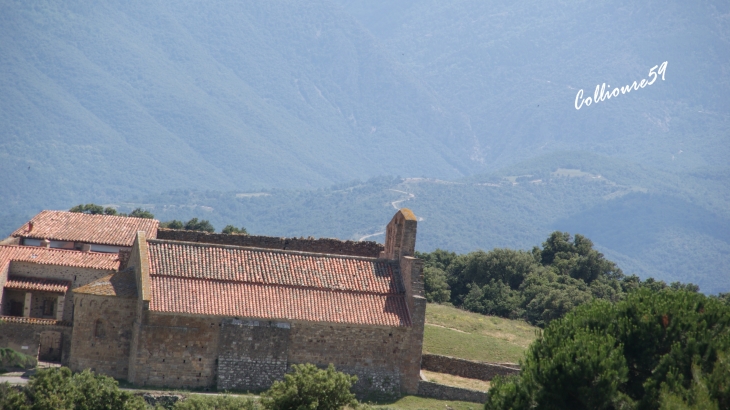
[[255, 265], [227, 280], [37, 284], [61, 257], [78, 227], [253, 300], [34, 321], [119, 284]]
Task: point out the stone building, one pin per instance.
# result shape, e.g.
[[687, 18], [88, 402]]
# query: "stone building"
[[235, 312]]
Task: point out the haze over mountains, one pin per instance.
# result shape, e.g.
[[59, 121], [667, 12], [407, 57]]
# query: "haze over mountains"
[[184, 105]]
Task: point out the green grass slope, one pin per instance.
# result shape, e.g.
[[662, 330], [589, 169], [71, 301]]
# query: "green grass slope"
[[454, 332]]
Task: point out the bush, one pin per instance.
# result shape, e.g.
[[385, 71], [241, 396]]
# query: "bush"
[[58, 388], [308, 387], [215, 402]]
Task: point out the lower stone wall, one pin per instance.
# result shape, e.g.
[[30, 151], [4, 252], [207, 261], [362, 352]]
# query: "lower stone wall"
[[441, 392], [252, 354], [465, 368], [174, 350], [24, 335]]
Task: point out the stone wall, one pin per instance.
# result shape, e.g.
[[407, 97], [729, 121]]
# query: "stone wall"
[[441, 392], [465, 368], [175, 350], [77, 276], [102, 334], [24, 335], [379, 356], [252, 354], [322, 245]]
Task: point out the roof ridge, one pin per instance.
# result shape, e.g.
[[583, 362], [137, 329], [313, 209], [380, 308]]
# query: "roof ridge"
[[94, 215], [282, 285], [270, 250]]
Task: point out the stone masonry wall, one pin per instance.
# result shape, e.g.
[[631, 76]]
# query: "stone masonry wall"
[[25, 337], [77, 276], [465, 368], [377, 355], [441, 392], [102, 333], [252, 354], [176, 350], [322, 245]]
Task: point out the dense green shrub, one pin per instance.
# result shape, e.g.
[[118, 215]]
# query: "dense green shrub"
[[310, 388], [652, 350], [215, 402], [58, 388]]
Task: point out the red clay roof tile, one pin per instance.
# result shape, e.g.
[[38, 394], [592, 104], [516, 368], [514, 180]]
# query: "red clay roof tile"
[[254, 300], [209, 279], [78, 227], [268, 266], [60, 257], [37, 284]]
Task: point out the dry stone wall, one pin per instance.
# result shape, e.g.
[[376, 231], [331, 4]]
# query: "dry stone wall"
[[252, 354], [322, 245], [465, 368], [441, 392]]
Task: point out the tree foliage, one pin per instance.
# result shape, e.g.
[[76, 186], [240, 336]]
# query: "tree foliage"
[[310, 388], [58, 388], [94, 209], [230, 229], [539, 286], [191, 225], [652, 350]]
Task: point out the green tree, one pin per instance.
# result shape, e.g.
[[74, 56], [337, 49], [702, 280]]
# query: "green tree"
[[435, 285], [648, 348], [141, 213], [174, 224], [310, 388], [59, 388], [230, 229], [195, 225], [94, 209]]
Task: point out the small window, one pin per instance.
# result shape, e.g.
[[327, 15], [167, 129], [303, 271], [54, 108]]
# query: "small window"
[[99, 329], [47, 307]]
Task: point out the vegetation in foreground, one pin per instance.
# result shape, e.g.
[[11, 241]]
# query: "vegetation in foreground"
[[10, 359], [654, 350], [458, 333]]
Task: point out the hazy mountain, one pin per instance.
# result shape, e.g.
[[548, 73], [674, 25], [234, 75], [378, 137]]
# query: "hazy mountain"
[[513, 70], [111, 98], [248, 113]]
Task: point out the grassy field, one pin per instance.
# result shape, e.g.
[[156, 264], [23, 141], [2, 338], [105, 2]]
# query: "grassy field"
[[458, 333], [420, 403]]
